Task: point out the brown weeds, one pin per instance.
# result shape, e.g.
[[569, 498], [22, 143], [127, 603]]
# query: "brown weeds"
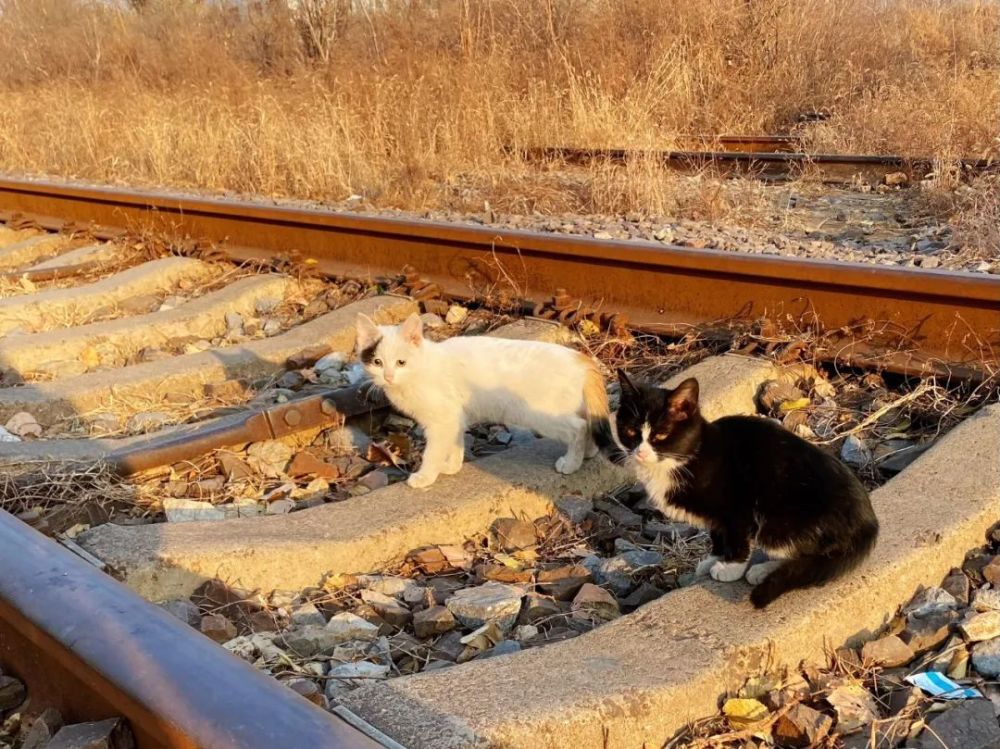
[[409, 104]]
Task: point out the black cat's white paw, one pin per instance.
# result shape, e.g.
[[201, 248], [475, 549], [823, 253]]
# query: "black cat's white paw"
[[728, 572], [757, 573], [705, 565]]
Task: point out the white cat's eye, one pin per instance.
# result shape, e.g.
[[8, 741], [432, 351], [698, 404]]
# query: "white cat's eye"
[[400, 363], [378, 362]]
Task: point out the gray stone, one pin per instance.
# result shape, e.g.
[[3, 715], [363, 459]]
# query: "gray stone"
[[901, 456], [349, 438], [855, 452], [181, 510], [433, 621], [969, 724], [234, 322], [622, 515], [801, 726], [539, 608], [593, 603], [334, 361], [645, 593], [986, 657], [184, 610], [430, 320], [525, 632], [562, 583], [350, 675], [307, 615], [313, 640], [510, 534], [574, 508], [113, 733], [269, 458], [986, 599], [42, 729], [217, 627], [855, 707], [982, 626], [618, 572], [929, 600], [348, 626], [490, 602], [12, 693], [504, 647], [928, 631], [387, 607], [957, 585], [390, 585], [24, 425], [888, 651]]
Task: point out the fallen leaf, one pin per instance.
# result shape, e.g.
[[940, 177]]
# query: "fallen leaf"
[[744, 712]]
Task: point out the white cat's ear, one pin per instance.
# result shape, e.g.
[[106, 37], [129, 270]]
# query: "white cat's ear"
[[367, 332], [412, 330], [684, 400]]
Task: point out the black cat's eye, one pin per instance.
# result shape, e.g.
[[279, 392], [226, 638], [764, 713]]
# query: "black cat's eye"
[[630, 431], [660, 436], [377, 362], [400, 363]]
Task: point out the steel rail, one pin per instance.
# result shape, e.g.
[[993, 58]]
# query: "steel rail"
[[933, 318], [87, 645], [837, 168], [326, 408]]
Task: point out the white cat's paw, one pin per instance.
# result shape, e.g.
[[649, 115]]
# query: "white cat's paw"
[[705, 565], [568, 464], [757, 573], [728, 572], [453, 465], [421, 480], [591, 450]]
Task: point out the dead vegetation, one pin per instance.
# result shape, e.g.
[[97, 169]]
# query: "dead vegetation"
[[410, 105]]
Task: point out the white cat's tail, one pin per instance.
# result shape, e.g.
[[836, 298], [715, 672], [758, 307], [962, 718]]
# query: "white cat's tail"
[[595, 394]]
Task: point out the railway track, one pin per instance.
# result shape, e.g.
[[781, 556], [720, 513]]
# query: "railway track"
[[766, 157], [92, 321]]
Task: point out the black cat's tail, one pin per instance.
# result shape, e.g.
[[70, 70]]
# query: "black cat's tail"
[[600, 430], [814, 569]]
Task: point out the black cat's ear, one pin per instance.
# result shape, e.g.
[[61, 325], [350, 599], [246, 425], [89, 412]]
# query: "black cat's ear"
[[628, 387], [684, 400]]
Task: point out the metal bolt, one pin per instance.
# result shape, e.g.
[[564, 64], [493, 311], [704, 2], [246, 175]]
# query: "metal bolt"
[[293, 417], [328, 407]]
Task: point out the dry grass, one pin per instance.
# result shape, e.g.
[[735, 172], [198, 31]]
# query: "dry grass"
[[409, 104]]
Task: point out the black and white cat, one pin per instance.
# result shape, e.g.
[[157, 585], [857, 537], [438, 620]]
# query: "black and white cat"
[[748, 481], [451, 385]]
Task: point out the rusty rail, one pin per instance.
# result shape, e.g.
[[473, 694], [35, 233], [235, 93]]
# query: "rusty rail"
[[833, 168], [329, 407], [87, 645], [934, 320]]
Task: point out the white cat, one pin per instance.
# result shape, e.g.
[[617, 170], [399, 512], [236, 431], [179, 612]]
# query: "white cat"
[[450, 385]]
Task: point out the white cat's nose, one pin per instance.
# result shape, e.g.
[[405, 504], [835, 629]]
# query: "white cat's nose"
[[389, 376], [643, 454]]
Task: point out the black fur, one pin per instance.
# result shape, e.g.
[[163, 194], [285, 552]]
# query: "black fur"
[[368, 352], [752, 481]]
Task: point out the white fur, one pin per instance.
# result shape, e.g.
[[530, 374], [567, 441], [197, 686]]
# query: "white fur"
[[448, 386], [727, 572], [705, 565], [661, 477], [758, 572]]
